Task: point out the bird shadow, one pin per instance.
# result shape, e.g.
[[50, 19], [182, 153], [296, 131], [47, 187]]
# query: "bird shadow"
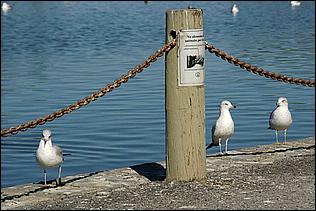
[[152, 171], [56, 182], [49, 184]]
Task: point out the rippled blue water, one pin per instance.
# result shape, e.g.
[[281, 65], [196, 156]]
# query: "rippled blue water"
[[55, 53]]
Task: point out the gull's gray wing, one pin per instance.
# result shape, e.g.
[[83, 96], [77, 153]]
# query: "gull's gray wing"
[[58, 150]]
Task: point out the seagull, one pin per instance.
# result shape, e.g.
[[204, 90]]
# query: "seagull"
[[5, 7], [235, 9], [280, 118], [223, 129], [49, 155], [295, 3]]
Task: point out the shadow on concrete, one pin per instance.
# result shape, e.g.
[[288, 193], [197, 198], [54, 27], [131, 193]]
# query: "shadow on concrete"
[[50, 184], [60, 183], [152, 171]]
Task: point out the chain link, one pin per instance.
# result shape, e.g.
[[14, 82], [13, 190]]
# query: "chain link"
[[94, 96], [256, 70]]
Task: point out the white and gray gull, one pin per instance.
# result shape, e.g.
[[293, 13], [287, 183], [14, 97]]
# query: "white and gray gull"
[[49, 155], [280, 118], [234, 9], [223, 129], [5, 7]]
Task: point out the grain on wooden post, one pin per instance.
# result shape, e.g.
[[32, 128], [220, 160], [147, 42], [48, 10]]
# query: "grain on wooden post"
[[185, 109]]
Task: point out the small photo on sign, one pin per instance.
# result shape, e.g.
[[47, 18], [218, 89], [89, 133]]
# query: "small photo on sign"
[[193, 60]]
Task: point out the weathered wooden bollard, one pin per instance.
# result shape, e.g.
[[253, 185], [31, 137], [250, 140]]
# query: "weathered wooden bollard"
[[185, 96]]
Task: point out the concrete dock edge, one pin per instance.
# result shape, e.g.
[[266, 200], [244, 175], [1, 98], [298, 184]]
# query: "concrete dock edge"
[[274, 176]]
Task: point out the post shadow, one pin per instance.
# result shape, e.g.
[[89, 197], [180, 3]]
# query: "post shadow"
[[152, 171]]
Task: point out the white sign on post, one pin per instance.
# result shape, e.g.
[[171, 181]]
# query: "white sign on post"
[[191, 56]]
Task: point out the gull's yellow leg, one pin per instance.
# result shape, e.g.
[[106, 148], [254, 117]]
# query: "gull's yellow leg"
[[276, 136], [284, 142], [45, 177], [226, 146]]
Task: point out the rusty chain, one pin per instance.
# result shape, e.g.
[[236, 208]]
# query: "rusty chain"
[[256, 70], [132, 73], [85, 101]]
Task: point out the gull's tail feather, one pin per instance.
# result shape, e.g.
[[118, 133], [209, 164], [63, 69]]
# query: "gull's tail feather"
[[210, 145], [65, 154]]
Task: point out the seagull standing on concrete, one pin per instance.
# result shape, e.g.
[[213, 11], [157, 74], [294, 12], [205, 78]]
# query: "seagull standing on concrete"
[[49, 155], [280, 118], [223, 129]]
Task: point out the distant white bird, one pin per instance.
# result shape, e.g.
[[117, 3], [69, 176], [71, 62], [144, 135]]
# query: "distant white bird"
[[235, 9], [5, 7], [295, 3], [280, 118], [223, 129], [49, 155]]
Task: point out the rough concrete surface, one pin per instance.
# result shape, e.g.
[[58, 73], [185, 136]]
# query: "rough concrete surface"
[[272, 176]]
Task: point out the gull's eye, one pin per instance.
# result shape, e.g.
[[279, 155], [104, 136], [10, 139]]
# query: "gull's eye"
[[226, 103]]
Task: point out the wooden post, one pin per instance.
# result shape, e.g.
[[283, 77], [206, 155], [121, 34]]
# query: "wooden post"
[[185, 108]]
